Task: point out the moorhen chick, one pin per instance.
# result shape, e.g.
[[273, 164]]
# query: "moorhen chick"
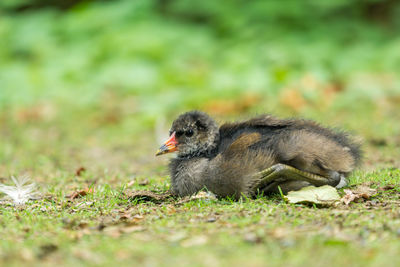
[[256, 156]]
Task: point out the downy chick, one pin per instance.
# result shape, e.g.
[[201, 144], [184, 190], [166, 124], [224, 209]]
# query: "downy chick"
[[256, 156]]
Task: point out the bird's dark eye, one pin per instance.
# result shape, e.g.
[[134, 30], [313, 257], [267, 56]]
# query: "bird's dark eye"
[[179, 133], [189, 133]]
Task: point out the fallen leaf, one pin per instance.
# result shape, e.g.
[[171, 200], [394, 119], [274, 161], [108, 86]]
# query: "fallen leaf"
[[124, 217], [136, 218], [348, 197], [143, 195], [323, 195], [131, 183], [80, 193], [131, 220], [82, 225], [361, 192], [171, 210], [79, 171], [365, 191], [387, 187], [144, 182]]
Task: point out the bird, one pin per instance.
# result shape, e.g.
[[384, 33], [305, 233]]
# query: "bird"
[[261, 155]]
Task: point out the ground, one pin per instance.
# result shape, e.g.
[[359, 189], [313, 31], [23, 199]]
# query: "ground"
[[105, 226]]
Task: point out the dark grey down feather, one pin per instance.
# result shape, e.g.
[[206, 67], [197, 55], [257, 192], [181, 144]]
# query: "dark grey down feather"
[[226, 160]]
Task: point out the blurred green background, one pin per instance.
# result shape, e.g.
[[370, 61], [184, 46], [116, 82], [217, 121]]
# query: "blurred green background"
[[82, 82]]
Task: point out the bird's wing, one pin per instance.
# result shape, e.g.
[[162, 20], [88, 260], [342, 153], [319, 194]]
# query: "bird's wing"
[[242, 132], [240, 144], [257, 122]]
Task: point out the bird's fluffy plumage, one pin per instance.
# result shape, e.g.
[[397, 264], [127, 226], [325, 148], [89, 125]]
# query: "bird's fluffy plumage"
[[226, 160]]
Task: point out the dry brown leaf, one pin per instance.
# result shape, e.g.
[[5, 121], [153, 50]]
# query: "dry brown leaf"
[[387, 187], [80, 171], [129, 184], [144, 195], [131, 220], [82, 225], [136, 218], [365, 191], [124, 217], [348, 197], [80, 193], [361, 192], [171, 210]]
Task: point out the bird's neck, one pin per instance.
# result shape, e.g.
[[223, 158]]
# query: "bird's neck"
[[208, 152]]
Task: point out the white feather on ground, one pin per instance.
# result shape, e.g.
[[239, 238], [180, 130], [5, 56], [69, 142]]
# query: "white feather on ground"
[[21, 192]]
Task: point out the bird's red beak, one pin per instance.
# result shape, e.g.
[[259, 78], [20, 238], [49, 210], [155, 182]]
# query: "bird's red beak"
[[169, 146]]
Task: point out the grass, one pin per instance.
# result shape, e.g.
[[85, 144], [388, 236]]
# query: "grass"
[[106, 227]]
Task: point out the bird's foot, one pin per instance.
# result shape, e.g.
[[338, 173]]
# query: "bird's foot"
[[280, 172], [343, 182]]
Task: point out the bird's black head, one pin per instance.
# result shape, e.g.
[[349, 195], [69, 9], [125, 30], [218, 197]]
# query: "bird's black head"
[[193, 133]]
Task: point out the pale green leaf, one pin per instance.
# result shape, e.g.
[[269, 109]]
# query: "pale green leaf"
[[325, 195]]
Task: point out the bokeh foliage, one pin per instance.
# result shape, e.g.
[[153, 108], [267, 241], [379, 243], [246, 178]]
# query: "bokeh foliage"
[[177, 54]]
